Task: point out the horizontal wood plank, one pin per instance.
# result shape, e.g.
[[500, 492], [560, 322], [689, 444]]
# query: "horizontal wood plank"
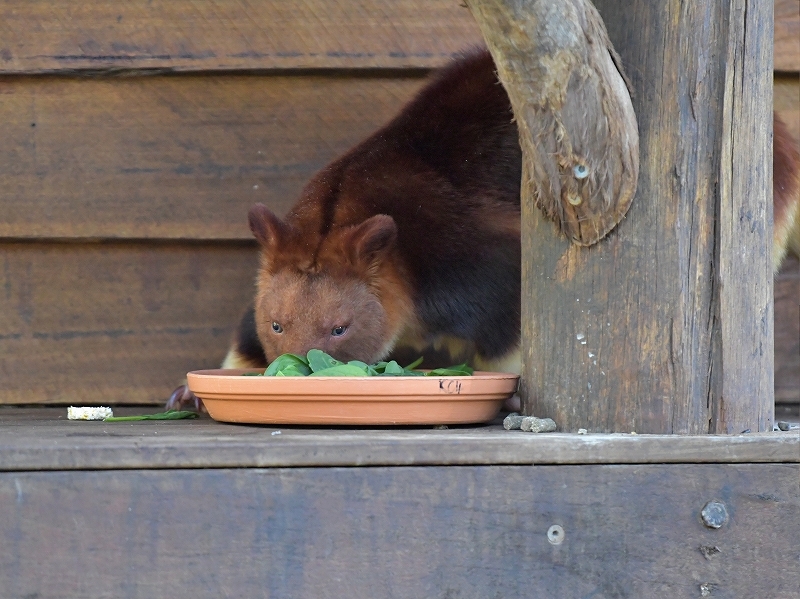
[[787, 333], [40, 36], [787, 284], [67, 36], [370, 533], [787, 35], [173, 157], [42, 439], [115, 323]]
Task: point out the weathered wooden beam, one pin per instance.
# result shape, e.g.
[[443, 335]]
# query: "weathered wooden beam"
[[103, 36], [666, 325], [36, 439], [77, 161], [787, 335], [745, 372], [372, 533], [577, 129]]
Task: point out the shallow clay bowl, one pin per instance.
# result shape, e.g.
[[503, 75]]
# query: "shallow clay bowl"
[[373, 400]]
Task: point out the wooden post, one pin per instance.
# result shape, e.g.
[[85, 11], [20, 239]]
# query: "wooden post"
[[665, 326]]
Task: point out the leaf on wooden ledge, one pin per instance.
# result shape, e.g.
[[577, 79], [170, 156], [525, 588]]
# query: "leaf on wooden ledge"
[[578, 130]]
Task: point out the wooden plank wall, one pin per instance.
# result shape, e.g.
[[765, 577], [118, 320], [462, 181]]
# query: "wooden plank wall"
[[136, 136]]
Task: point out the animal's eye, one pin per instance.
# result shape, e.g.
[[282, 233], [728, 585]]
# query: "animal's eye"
[[277, 327], [338, 331]]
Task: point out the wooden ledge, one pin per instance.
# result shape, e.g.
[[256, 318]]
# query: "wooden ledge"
[[43, 439]]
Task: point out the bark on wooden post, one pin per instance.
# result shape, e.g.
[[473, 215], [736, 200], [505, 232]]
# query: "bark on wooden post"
[[665, 326]]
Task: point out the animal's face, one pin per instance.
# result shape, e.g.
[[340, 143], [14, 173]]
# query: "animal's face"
[[296, 312], [341, 292]]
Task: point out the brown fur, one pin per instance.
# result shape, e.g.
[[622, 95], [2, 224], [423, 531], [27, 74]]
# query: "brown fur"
[[349, 278], [422, 217]]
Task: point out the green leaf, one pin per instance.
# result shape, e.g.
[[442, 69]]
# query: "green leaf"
[[393, 368], [168, 415], [407, 372], [319, 363], [369, 370], [294, 370], [319, 360], [340, 370], [285, 360], [359, 363], [459, 370], [414, 364], [379, 367]]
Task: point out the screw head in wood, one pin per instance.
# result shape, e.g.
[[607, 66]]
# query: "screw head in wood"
[[555, 534], [575, 200], [714, 514], [580, 171]]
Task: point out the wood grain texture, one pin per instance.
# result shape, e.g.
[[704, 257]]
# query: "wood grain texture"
[[111, 323], [69, 35], [577, 127], [634, 343], [467, 532], [743, 369], [173, 157], [787, 283], [40, 438], [787, 35], [787, 333]]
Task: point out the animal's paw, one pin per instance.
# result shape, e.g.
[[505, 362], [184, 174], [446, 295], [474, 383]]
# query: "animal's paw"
[[183, 399]]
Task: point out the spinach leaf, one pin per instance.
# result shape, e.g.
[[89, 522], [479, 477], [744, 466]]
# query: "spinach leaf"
[[459, 370], [168, 415], [393, 368], [340, 370], [319, 360], [364, 366], [414, 364], [318, 363], [294, 370], [284, 361]]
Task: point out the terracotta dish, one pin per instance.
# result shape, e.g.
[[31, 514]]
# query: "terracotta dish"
[[373, 400]]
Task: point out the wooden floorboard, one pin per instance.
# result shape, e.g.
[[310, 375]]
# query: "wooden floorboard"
[[405, 532], [43, 439], [200, 509]]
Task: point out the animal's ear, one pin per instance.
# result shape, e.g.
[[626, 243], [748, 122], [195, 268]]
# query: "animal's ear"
[[370, 240], [269, 230]]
